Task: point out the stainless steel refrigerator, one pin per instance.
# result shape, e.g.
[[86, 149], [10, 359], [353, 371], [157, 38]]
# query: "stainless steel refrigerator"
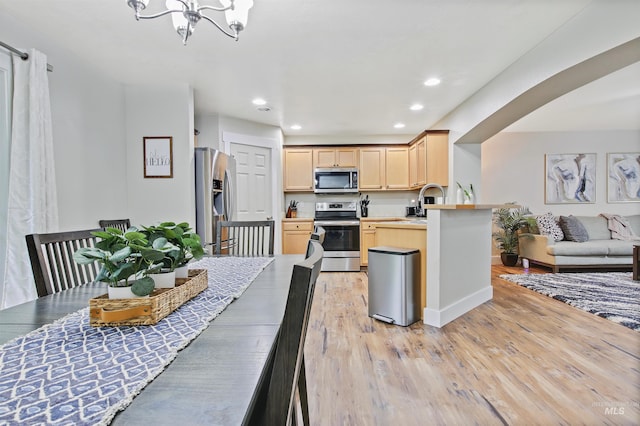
[[215, 192]]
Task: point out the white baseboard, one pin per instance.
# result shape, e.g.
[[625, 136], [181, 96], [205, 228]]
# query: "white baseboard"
[[444, 316]]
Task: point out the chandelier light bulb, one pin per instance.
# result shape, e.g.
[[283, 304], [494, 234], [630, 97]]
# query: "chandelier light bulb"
[[185, 14]]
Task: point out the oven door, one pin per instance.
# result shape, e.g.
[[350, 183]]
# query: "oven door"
[[341, 245]]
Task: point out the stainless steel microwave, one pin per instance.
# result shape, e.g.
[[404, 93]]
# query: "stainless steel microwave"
[[335, 180]]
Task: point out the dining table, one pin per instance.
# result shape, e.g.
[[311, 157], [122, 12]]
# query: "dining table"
[[214, 380]]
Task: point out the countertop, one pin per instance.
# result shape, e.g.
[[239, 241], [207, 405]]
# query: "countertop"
[[468, 206], [404, 224]]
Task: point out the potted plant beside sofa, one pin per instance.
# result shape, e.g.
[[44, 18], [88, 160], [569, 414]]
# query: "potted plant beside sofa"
[[125, 258], [510, 221]]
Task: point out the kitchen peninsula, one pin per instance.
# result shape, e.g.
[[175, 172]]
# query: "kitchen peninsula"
[[455, 253]]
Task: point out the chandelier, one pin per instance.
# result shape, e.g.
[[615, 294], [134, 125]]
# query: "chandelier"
[[185, 14]]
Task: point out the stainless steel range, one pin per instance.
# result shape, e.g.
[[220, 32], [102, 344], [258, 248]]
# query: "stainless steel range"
[[342, 235]]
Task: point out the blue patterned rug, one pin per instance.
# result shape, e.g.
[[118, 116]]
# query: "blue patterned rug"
[[69, 373], [612, 295]]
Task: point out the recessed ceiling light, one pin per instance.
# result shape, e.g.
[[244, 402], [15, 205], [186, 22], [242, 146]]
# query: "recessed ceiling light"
[[259, 101], [416, 107], [399, 125], [432, 82], [264, 108], [296, 127]]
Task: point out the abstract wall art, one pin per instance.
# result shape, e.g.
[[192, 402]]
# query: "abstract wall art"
[[623, 177], [570, 178]]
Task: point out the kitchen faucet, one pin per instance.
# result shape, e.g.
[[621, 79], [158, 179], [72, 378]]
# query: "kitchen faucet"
[[419, 210]]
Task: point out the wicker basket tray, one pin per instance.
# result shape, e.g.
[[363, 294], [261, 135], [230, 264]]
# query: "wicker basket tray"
[[146, 310]]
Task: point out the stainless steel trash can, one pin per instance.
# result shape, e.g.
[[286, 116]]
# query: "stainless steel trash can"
[[394, 285]]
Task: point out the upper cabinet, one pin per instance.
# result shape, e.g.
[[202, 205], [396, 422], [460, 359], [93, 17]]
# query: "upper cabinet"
[[397, 172], [380, 168], [335, 157], [384, 168], [298, 169], [429, 159], [371, 175]]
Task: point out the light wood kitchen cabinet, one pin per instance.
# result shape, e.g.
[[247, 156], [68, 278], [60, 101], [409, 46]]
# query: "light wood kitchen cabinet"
[[371, 175], [397, 170], [296, 235], [367, 240], [335, 157], [429, 159], [384, 168], [368, 236], [298, 169], [437, 155], [418, 163]]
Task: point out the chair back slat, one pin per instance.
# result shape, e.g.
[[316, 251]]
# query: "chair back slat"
[[52, 262], [121, 224], [245, 238]]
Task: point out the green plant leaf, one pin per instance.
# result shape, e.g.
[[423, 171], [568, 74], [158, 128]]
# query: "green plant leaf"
[[159, 243], [134, 235], [143, 286], [151, 255], [120, 255]]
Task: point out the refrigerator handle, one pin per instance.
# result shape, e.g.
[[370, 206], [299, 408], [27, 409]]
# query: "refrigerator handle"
[[228, 199]]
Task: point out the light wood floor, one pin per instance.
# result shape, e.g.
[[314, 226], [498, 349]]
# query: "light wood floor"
[[521, 359]]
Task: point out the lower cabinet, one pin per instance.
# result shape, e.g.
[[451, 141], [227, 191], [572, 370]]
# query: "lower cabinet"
[[368, 237], [295, 236]]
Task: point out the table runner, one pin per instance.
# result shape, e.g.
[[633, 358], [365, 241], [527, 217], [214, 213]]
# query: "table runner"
[[69, 373]]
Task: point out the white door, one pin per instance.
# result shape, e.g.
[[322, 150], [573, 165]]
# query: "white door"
[[253, 181]]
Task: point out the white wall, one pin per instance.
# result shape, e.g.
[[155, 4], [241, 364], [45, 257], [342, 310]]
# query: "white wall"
[[296, 140], [160, 111], [209, 136], [87, 110], [513, 168]]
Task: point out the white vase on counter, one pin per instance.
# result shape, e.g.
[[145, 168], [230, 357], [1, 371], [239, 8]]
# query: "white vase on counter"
[[459, 196]]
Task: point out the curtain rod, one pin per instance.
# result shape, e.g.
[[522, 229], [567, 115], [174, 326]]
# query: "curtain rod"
[[23, 55]]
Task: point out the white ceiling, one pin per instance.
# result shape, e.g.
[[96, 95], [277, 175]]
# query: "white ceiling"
[[349, 67]]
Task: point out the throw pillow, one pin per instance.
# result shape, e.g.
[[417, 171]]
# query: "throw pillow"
[[548, 225], [573, 229]]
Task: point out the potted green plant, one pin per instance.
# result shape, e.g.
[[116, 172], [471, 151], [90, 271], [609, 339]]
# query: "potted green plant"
[[179, 244], [125, 258], [510, 221]]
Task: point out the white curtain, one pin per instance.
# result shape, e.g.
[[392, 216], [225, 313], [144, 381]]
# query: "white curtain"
[[32, 205]]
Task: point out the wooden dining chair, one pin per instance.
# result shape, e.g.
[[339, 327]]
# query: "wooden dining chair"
[[287, 379], [52, 262], [121, 224], [244, 238]]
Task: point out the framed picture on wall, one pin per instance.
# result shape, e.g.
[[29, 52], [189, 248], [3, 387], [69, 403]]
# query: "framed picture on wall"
[[570, 178], [158, 156], [623, 177]]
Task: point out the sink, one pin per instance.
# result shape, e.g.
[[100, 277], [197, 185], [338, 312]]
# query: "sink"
[[417, 221]]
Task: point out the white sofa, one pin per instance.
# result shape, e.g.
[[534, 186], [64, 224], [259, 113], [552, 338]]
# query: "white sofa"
[[600, 251]]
